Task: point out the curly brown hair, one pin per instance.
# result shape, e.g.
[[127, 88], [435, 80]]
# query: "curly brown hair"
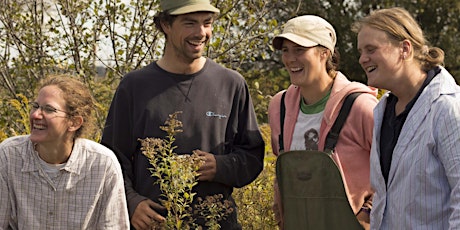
[[78, 98]]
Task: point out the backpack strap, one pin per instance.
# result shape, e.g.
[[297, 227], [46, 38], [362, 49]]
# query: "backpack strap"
[[333, 135], [282, 115]]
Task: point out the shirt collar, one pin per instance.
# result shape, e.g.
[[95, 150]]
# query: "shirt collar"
[[73, 165], [393, 99]]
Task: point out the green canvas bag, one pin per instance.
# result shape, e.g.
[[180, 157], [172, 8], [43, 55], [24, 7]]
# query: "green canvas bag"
[[311, 186]]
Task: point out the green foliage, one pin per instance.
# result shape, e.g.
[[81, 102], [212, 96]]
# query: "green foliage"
[[17, 115], [43, 37], [21, 105], [256, 199], [3, 135]]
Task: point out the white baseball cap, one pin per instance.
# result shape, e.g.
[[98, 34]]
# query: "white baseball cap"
[[307, 31]]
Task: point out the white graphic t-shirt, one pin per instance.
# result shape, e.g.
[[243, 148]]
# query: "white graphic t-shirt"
[[306, 131]]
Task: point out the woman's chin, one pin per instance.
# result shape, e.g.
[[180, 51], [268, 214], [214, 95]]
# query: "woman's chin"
[[35, 138]]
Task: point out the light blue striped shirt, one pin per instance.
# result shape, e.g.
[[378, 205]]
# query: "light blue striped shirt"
[[423, 190]]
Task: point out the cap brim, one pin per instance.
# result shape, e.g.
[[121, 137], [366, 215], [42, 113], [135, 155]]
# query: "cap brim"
[[194, 8], [278, 40]]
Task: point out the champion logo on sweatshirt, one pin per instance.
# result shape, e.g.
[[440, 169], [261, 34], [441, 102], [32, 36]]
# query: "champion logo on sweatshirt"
[[213, 114]]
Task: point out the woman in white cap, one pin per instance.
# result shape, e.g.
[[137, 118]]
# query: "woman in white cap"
[[312, 103]]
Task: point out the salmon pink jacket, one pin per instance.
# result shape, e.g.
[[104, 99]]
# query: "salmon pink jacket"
[[353, 146]]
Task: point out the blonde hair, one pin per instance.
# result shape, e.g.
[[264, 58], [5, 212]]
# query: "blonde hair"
[[399, 25], [78, 98]]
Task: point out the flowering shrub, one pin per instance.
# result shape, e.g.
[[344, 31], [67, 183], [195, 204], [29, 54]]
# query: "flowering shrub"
[[176, 176], [256, 199]]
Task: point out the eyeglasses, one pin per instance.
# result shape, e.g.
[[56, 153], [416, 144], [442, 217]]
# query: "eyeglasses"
[[47, 109]]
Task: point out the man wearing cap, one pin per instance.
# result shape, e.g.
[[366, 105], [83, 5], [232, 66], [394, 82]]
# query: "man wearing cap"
[[217, 115], [312, 103]]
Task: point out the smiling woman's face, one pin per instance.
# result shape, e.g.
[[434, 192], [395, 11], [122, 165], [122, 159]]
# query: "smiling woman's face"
[[379, 58], [304, 64], [47, 126]]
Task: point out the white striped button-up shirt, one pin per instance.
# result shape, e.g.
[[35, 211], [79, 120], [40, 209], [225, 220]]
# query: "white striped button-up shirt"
[[88, 192], [423, 189]]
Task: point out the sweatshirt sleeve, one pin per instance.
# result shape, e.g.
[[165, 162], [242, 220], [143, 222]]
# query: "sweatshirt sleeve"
[[118, 136], [244, 160]]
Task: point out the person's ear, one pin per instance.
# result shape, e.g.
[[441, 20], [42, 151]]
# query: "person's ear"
[[406, 49], [325, 53], [75, 123], [165, 26]]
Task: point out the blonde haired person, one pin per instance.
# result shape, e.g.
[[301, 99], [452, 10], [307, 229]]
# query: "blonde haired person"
[[54, 178], [415, 156], [313, 101]]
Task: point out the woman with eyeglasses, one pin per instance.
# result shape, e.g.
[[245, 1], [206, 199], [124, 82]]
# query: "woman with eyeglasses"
[[54, 177]]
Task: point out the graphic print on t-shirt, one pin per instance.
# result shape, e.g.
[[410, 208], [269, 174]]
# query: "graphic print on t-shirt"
[[311, 139]]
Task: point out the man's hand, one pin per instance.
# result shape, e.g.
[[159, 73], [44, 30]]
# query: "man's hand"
[[208, 170], [145, 214]]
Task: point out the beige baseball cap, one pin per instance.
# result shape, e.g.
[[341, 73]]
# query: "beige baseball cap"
[[176, 7], [307, 31]]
